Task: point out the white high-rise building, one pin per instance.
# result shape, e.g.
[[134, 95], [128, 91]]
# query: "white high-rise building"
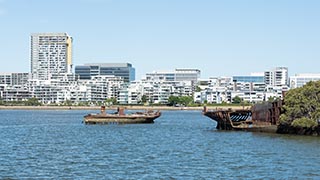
[[277, 77], [51, 53]]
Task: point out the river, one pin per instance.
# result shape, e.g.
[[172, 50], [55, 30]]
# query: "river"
[[49, 144]]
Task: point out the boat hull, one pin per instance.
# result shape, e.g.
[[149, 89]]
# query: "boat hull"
[[257, 128], [239, 120]]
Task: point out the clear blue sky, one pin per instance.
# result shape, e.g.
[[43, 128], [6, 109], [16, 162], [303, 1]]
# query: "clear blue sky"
[[220, 37]]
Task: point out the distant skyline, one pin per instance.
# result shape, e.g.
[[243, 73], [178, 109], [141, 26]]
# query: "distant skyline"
[[221, 38]]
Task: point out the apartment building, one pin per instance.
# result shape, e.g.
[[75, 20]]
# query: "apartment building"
[[14, 78], [51, 53], [277, 77]]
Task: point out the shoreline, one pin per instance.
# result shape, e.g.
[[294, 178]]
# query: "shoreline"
[[200, 108]]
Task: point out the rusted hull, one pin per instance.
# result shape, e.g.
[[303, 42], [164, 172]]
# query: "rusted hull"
[[221, 118], [227, 119], [267, 128], [239, 120], [126, 119], [262, 117]]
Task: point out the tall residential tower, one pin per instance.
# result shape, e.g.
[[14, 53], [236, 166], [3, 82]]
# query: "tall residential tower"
[[51, 53]]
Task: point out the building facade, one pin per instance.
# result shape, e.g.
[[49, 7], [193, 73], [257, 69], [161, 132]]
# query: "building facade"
[[5, 78], [249, 79], [300, 80], [157, 92], [14, 78], [19, 78], [183, 74], [123, 70], [277, 77], [51, 53], [179, 75]]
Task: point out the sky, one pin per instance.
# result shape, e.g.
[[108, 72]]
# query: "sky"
[[221, 38]]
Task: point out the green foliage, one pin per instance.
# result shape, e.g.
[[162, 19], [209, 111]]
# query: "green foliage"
[[173, 100], [198, 89], [14, 103], [224, 103], [144, 99], [186, 100], [284, 119], [304, 122], [273, 98], [302, 104], [67, 102], [111, 101], [237, 100], [83, 104], [182, 100], [32, 102], [246, 103]]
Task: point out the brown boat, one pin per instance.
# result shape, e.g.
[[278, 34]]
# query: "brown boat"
[[120, 117], [260, 118]]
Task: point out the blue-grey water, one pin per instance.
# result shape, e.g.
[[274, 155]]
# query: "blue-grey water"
[[179, 145]]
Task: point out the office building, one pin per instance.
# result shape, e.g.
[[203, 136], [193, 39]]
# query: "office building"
[[300, 80], [187, 74], [252, 78], [178, 75], [51, 53], [161, 76], [254, 81], [123, 70]]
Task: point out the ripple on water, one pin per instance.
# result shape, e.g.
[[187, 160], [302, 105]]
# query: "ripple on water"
[[179, 145]]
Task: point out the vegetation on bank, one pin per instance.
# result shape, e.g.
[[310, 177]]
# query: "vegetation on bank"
[[174, 101], [29, 102], [302, 106]]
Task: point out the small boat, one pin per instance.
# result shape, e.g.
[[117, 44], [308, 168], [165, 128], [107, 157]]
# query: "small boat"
[[120, 117]]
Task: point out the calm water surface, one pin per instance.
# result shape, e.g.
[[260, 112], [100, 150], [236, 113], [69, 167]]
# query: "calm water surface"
[[179, 145]]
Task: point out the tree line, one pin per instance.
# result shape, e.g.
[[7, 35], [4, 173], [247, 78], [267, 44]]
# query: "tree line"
[[302, 106]]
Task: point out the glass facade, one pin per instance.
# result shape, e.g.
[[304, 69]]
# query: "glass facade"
[[253, 79], [125, 71]]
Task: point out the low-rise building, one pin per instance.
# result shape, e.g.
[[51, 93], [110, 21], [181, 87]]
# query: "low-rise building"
[[300, 80], [249, 96], [15, 93]]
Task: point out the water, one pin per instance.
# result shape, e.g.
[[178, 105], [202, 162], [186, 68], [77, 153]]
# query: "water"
[[179, 145]]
